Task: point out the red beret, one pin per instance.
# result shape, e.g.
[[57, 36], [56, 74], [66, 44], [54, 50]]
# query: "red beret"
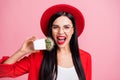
[[62, 8]]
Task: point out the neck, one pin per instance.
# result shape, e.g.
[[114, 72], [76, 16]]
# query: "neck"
[[64, 50]]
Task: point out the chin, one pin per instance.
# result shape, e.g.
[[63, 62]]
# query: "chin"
[[62, 46]]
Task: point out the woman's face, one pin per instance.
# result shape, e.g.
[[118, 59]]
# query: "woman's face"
[[62, 30]]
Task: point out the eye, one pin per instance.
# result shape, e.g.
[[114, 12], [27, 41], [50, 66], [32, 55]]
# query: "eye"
[[55, 27], [66, 27]]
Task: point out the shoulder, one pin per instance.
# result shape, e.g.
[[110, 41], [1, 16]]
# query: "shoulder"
[[84, 53], [37, 56], [35, 59], [85, 56]]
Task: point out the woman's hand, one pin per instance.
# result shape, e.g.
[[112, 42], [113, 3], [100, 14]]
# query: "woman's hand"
[[27, 46]]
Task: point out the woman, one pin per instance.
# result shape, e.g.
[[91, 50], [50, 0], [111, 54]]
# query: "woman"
[[63, 23]]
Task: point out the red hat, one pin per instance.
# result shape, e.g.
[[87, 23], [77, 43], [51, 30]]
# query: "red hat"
[[62, 8]]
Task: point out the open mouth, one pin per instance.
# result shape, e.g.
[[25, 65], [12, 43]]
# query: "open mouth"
[[61, 39]]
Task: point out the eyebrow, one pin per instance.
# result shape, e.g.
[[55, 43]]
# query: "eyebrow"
[[58, 25], [54, 25]]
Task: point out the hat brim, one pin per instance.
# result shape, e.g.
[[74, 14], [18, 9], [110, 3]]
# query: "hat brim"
[[62, 8]]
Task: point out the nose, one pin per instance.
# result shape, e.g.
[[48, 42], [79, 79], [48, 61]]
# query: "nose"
[[61, 31]]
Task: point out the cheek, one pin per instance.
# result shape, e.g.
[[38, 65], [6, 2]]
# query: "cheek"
[[71, 32], [54, 35]]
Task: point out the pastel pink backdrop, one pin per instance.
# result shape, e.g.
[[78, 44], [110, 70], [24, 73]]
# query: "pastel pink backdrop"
[[19, 19]]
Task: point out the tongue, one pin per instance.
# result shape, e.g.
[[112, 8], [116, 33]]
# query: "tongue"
[[61, 41]]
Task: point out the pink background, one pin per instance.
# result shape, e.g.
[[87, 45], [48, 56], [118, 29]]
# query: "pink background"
[[19, 19]]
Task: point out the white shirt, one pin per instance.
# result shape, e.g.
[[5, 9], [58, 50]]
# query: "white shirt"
[[67, 73]]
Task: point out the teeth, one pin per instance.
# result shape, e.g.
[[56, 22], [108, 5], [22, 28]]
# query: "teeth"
[[61, 38]]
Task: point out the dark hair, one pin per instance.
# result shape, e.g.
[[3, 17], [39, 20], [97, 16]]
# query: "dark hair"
[[48, 70]]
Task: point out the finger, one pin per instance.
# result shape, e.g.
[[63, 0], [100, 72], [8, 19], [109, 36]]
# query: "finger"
[[33, 38], [35, 51]]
